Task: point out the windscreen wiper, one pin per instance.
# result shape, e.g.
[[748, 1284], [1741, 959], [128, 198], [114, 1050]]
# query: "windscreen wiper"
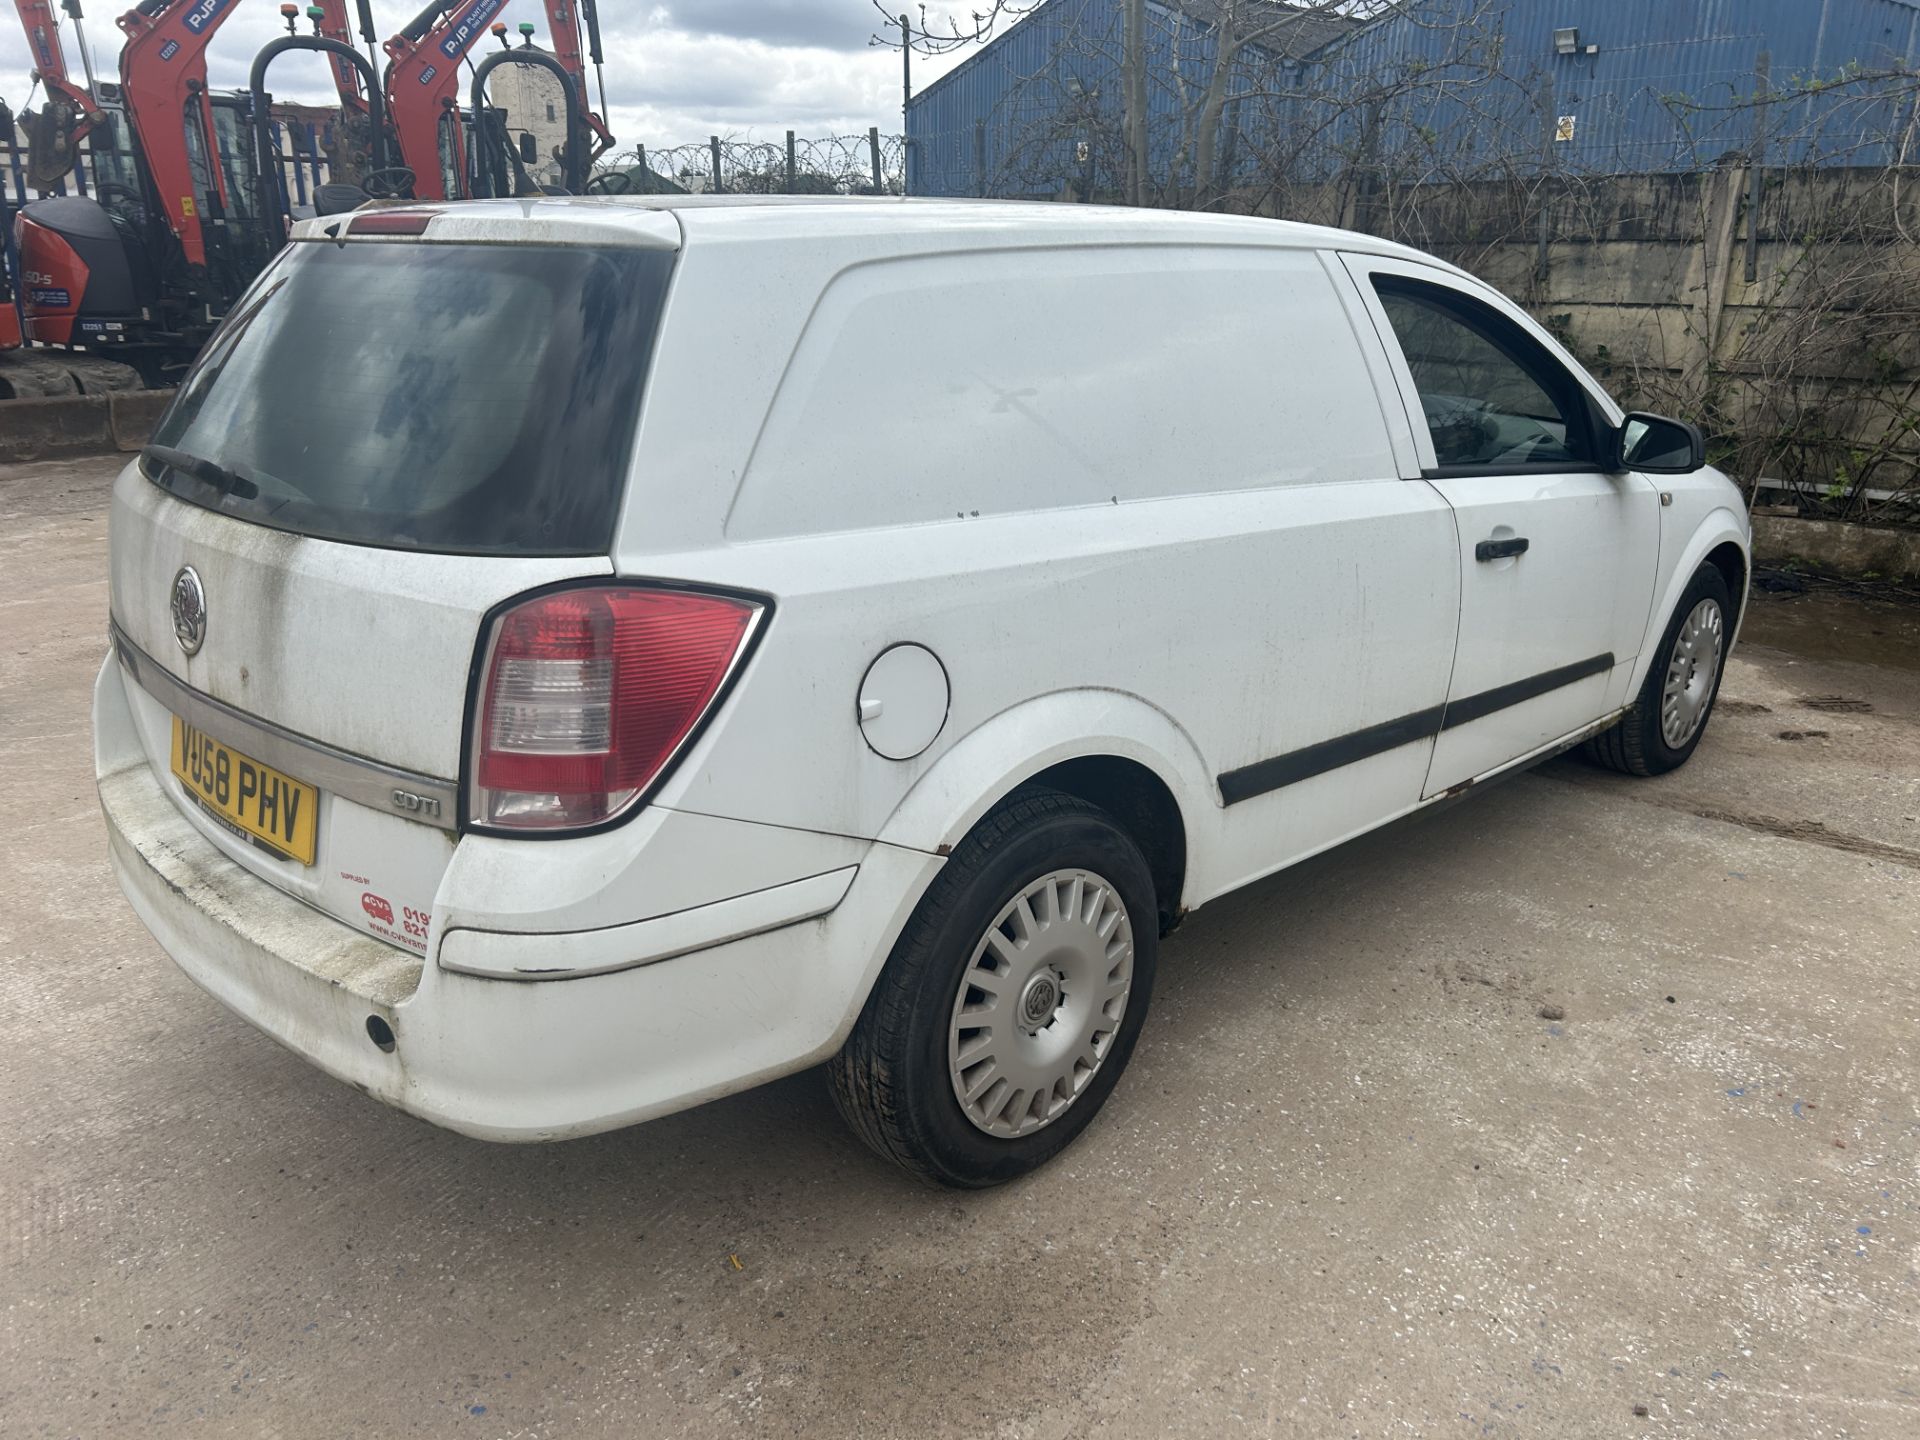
[[208, 472]]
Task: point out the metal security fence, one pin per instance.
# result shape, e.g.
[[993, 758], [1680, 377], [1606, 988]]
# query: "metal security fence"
[[304, 148], [869, 164]]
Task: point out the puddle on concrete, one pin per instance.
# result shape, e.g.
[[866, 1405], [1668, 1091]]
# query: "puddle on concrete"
[[1836, 625]]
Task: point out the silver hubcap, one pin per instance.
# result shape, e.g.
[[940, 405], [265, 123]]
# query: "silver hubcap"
[[1040, 1003], [1691, 670]]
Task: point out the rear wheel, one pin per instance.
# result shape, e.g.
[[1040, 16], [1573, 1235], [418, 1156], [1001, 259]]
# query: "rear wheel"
[[1670, 714], [1012, 1000]]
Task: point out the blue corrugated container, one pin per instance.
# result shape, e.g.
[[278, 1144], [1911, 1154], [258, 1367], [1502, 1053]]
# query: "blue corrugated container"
[[1651, 85], [1012, 118], [1659, 84]]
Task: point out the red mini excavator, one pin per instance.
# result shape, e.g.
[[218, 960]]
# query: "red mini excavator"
[[145, 267], [197, 170], [423, 85], [143, 271], [69, 115]]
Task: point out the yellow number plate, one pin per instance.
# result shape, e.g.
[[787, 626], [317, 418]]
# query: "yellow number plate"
[[255, 801]]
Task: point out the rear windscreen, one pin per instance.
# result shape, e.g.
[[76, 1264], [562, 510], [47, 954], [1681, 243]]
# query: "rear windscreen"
[[478, 399]]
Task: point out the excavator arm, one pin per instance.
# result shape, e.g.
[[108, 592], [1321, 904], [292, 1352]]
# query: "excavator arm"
[[334, 25], [163, 74], [566, 21], [49, 59], [54, 142], [423, 81]]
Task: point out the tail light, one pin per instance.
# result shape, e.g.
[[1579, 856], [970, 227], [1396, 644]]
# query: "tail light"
[[587, 696]]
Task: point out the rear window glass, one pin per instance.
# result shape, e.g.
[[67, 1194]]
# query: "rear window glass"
[[476, 399]]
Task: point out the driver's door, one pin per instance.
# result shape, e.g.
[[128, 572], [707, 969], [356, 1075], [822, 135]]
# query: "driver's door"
[[1557, 556]]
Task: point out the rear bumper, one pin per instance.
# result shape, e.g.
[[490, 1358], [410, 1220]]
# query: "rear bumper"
[[508, 1059]]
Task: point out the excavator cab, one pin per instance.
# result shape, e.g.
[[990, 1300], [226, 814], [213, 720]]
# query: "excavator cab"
[[113, 169], [249, 237], [363, 117]]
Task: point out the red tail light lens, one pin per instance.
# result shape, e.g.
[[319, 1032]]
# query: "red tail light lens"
[[587, 696]]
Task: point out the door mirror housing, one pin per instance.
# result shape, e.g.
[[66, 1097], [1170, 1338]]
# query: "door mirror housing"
[[1655, 445]]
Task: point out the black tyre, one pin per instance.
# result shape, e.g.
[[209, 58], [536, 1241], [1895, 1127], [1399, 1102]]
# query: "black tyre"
[[1011, 1002], [1670, 713]]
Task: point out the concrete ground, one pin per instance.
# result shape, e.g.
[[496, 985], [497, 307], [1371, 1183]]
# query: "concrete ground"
[[1354, 1183]]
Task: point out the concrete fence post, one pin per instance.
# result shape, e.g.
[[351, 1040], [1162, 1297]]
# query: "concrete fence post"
[[1722, 213], [879, 177], [713, 142], [790, 169], [980, 158]]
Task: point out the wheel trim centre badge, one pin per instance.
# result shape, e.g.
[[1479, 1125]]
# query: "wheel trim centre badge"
[[1041, 1000], [188, 608]]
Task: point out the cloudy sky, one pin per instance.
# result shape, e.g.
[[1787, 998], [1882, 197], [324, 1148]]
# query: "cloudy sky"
[[677, 71]]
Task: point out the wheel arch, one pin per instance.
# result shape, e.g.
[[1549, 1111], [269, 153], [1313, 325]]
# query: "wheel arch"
[[1735, 568], [1720, 539], [1111, 749], [1143, 805]]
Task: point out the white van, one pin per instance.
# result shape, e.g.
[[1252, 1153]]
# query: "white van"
[[572, 659]]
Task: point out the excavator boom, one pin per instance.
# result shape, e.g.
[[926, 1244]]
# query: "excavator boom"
[[423, 80]]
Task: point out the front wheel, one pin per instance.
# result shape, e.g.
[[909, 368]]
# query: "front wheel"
[[1012, 1000], [1670, 714]]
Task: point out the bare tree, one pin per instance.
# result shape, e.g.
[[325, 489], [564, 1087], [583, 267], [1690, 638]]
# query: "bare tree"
[[950, 32]]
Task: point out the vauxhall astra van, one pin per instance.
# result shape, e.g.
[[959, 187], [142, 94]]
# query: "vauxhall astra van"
[[575, 658]]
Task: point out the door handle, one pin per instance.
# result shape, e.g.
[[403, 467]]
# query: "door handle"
[[1500, 549]]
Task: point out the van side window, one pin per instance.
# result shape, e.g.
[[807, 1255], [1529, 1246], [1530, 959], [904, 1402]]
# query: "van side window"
[[956, 386], [1493, 399]]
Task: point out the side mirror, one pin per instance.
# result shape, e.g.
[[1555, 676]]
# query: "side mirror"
[[1659, 446]]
